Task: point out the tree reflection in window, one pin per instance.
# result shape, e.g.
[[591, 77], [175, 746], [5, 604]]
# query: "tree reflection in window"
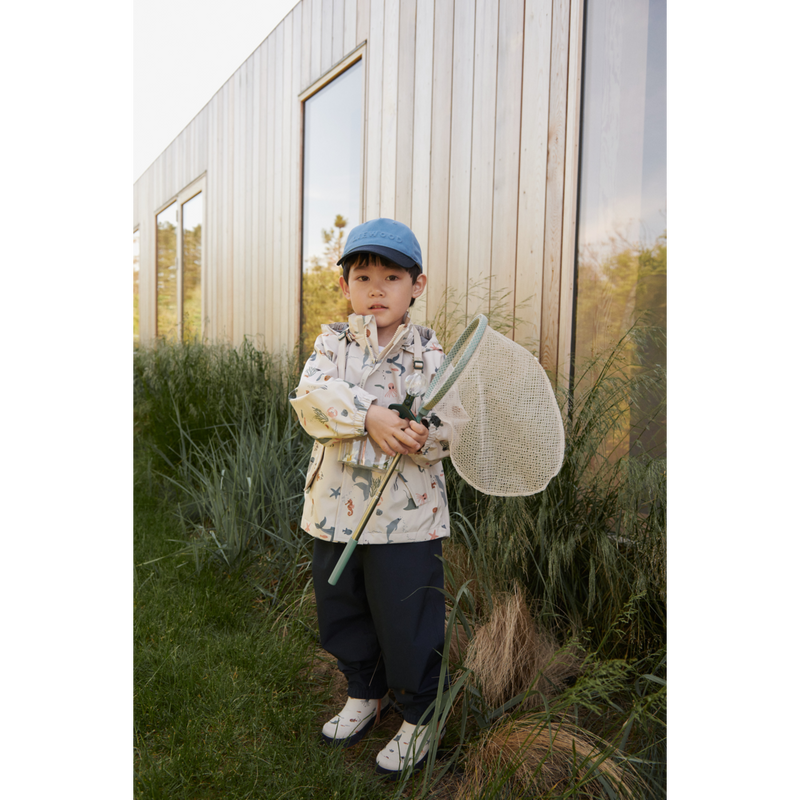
[[323, 301], [134, 289], [167, 272], [192, 216]]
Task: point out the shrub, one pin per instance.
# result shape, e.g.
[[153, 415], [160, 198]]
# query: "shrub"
[[197, 390]]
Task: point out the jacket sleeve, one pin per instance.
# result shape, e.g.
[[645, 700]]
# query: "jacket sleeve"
[[328, 407]]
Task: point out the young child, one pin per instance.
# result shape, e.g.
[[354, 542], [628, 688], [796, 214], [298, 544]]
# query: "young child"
[[384, 620]]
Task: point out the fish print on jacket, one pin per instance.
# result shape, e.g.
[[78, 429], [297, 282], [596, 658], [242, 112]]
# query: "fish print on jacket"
[[327, 533], [331, 402], [397, 363]]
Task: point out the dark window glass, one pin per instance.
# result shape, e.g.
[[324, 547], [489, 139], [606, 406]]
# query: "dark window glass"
[[167, 272]]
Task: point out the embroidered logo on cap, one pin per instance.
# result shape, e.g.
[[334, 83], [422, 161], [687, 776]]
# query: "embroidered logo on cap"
[[377, 235]]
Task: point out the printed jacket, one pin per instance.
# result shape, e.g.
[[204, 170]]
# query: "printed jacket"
[[332, 405]]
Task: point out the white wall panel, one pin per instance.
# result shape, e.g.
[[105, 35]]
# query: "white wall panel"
[[471, 136]]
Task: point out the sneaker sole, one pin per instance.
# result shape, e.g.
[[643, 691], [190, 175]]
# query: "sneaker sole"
[[349, 741], [396, 774]]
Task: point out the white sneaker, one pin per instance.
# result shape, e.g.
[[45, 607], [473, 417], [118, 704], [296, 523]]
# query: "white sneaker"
[[353, 721], [408, 750]]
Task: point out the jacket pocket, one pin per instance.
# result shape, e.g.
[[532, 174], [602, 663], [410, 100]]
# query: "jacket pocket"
[[419, 487], [317, 455]]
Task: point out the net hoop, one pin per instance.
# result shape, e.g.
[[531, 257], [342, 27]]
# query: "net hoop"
[[470, 338]]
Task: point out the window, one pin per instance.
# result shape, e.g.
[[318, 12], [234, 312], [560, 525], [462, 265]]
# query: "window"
[[331, 195], [179, 259], [622, 225], [192, 250], [136, 287], [167, 272]]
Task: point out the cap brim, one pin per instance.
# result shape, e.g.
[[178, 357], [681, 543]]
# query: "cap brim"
[[395, 256]]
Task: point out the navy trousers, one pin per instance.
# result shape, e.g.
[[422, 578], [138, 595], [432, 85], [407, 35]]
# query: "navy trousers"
[[384, 620]]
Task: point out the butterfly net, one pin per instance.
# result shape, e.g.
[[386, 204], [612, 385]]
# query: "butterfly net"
[[508, 434]]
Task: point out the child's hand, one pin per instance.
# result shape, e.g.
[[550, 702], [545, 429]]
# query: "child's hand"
[[392, 433]]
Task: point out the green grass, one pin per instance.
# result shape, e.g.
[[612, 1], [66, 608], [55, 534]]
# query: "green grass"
[[229, 698], [199, 389], [230, 689], [225, 702]]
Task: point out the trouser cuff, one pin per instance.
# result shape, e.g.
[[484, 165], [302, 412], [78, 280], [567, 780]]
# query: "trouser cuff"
[[362, 691], [417, 715]]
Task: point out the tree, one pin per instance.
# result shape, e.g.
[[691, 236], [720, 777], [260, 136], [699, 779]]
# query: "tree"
[[167, 279], [192, 310], [323, 301], [622, 283], [136, 287]]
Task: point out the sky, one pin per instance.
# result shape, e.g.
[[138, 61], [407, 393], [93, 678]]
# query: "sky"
[[183, 52]]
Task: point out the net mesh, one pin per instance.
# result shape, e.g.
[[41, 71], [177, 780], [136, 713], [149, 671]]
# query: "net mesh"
[[508, 434]]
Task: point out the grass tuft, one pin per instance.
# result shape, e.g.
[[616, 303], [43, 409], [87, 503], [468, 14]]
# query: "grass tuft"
[[512, 654], [546, 757]]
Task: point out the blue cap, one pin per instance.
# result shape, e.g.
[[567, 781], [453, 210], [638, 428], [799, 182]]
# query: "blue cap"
[[387, 238]]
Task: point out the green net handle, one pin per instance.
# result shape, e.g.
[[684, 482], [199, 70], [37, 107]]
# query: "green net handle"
[[471, 337], [342, 562]]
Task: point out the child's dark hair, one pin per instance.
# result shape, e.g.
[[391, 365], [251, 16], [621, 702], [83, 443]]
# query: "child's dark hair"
[[368, 259]]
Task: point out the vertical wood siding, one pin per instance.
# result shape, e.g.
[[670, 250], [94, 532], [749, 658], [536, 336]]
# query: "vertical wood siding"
[[471, 137]]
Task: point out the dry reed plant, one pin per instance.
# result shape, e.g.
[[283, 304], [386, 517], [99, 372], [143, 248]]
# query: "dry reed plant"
[[534, 757], [463, 569], [459, 640], [512, 654]]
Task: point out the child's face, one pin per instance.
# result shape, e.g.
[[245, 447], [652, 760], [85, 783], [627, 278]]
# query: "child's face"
[[384, 291]]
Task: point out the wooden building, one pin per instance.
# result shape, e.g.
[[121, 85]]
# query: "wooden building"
[[470, 133]]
